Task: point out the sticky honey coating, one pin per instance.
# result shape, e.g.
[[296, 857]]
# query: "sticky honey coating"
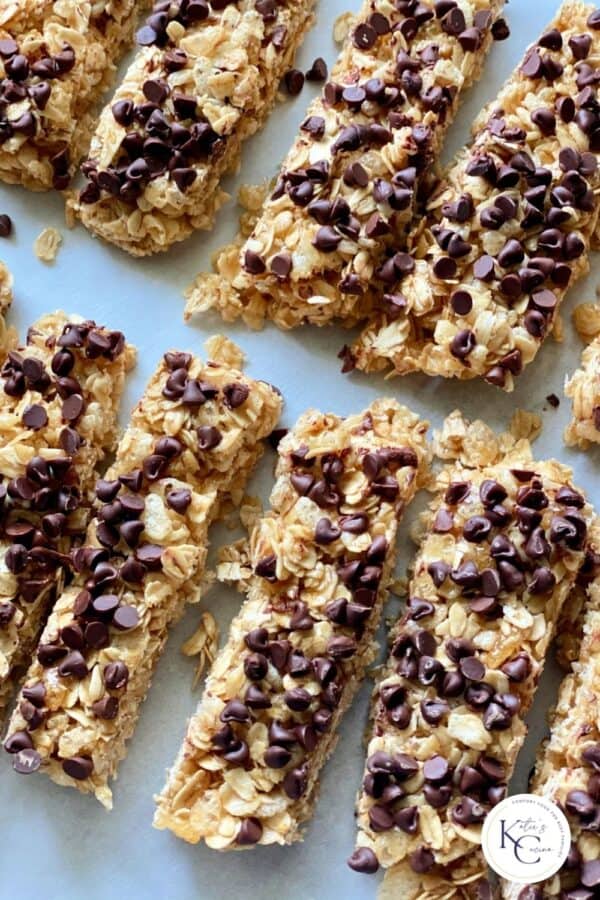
[[501, 550], [59, 400], [205, 79], [193, 440], [347, 189], [315, 573], [509, 228], [567, 770], [56, 59]]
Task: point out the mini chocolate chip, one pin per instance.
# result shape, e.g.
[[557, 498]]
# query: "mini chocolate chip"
[[78, 767], [294, 82], [462, 344], [5, 226], [126, 618], [35, 417], [250, 832], [422, 859], [364, 860], [318, 70], [27, 761], [116, 675]]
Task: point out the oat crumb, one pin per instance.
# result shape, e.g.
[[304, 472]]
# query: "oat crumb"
[[47, 244]]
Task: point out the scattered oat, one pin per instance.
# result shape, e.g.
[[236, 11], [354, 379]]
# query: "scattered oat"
[[47, 244], [203, 643], [222, 350]]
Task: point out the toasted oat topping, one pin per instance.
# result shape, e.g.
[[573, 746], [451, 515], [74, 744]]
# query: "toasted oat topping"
[[315, 572], [192, 442]]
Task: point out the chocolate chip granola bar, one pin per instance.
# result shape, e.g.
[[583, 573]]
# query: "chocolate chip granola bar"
[[583, 388], [509, 228], [59, 399], [205, 79], [56, 59], [316, 572], [502, 546], [346, 192], [193, 440], [568, 765]]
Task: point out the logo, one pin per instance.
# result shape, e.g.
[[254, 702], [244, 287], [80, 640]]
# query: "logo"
[[525, 838]]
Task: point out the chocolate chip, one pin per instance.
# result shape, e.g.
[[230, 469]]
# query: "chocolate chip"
[[235, 394], [294, 783], [364, 860], [106, 708], [126, 618], [250, 832], [433, 710], [327, 239], [472, 668], [294, 82], [27, 761], [116, 675], [461, 302], [421, 860], [5, 225], [364, 36], [318, 70], [78, 767], [462, 344], [35, 417]]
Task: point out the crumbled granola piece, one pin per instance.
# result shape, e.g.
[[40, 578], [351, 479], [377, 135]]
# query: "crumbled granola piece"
[[47, 244], [316, 570]]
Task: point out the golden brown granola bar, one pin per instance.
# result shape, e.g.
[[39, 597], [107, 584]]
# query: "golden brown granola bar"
[[193, 440], [568, 764], [56, 59], [508, 229], [59, 399], [583, 388], [347, 189], [317, 570], [205, 79], [502, 546]]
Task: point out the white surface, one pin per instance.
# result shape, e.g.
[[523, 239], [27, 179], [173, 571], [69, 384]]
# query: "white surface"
[[57, 844]]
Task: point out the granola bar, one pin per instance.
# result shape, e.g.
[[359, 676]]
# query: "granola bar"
[[568, 764], [59, 399], [346, 191], [509, 228], [6, 333], [192, 442], [56, 59], [316, 573], [583, 388], [501, 550], [205, 79]]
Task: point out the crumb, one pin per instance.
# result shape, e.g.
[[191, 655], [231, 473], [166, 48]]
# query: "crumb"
[[47, 244], [342, 26], [553, 400]]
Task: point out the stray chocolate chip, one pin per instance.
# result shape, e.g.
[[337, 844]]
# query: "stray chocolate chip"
[[294, 82], [318, 70], [5, 225], [364, 860]]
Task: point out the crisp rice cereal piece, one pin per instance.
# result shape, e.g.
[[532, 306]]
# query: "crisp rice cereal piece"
[[192, 442], [568, 764], [316, 571], [583, 389], [346, 190], [503, 548], [213, 81], [58, 416], [47, 244], [508, 228], [59, 58]]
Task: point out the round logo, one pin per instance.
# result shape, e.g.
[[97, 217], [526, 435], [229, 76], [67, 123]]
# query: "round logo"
[[525, 838]]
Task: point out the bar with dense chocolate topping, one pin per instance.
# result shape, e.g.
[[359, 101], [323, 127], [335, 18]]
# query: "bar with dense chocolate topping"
[[568, 764], [205, 78], [56, 59], [59, 400], [347, 189], [509, 228], [502, 547], [193, 440], [316, 571], [583, 389]]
